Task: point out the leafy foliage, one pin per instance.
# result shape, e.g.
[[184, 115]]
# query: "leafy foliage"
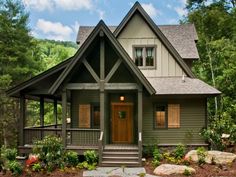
[[157, 157], [8, 154], [218, 127], [15, 167], [71, 158], [201, 152], [91, 156], [50, 151], [179, 151]]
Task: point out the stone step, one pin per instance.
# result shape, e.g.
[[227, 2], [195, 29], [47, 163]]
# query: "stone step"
[[119, 154]]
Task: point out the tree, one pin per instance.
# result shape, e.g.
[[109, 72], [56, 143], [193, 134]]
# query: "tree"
[[216, 26], [18, 62]]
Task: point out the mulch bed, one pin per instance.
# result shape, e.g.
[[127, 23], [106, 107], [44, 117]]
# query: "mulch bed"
[[206, 170]]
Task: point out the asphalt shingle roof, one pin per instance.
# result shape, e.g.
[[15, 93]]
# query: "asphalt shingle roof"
[[176, 86], [182, 37]]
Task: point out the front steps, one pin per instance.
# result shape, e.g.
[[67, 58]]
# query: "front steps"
[[120, 155]]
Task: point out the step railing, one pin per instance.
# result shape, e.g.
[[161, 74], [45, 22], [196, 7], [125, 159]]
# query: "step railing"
[[100, 144], [140, 147]]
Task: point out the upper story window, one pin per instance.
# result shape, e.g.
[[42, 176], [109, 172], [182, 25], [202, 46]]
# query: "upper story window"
[[144, 56]]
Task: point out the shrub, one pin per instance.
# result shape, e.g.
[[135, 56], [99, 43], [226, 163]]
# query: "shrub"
[[8, 154], [179, 151], [50, 151], [201, 152], [71, 158], [220, 125], [15, 167], [85, 165], [187, 172], [156, 157], [36, 167], [91, 156]]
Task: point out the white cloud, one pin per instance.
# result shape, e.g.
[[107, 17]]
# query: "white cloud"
[[41, 5], [150, 9], [181, 11], [75, 27], [74, 4], [172, 21], [101, 13], [169, 6], [54, 30]]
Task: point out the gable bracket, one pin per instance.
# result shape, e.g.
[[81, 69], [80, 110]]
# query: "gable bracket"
[[113, 70], [90, 69]]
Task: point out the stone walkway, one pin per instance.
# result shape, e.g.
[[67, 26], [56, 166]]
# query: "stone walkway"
[[116, 172]]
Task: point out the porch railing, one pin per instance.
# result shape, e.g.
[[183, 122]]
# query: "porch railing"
[[82, 137], [140, 147], [75, 136], [37, 133], [100, 143]]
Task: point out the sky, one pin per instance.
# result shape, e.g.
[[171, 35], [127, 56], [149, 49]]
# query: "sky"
[[60, 19]]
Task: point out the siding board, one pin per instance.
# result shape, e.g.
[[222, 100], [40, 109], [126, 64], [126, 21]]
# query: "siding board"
[[192, 119]]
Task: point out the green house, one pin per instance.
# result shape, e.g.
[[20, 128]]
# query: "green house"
[[127, 86]]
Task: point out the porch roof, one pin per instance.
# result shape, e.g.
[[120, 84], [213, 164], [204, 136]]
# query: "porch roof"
[[180, 86]]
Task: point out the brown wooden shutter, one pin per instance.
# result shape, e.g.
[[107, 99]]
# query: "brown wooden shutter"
[[160, 119], [173, 115], [84, 115]]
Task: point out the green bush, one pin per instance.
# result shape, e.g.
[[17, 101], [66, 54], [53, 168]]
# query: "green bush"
[[50, 151], [157, 157], [179, 151], [220, 125], [201, 153], [36, 167], [86, 165], [15, 167], [91, 156], [187, 172], [71, 158], [8, 154]]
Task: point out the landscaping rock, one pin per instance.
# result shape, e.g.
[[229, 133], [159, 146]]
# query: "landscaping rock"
[[218, 157], [169, 169]]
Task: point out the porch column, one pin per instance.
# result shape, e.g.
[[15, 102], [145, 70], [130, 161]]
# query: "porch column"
[[102, 78], [21, 120], [64, 114], [55, 111], [140, 123], [41, 115]]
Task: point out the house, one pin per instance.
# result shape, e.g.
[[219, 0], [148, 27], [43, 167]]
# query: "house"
[[126, 87]]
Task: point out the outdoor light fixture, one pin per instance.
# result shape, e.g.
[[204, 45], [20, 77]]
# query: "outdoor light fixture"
[[122, 98]]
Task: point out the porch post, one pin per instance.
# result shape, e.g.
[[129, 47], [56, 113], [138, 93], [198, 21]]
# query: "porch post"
[[41, 115], [21, 137], [140, 123], [55, 111], [64, 114], [102, 94]]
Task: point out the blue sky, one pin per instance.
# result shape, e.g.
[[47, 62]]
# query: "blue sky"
[[60, 19]]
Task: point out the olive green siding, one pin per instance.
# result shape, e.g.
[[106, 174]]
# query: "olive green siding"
[[192, 120]]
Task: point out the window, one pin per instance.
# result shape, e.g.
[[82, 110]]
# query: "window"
[[167, 116], [89, 116], [144, 56]]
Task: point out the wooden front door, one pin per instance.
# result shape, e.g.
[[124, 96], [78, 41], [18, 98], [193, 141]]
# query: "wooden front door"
[[122, 122]]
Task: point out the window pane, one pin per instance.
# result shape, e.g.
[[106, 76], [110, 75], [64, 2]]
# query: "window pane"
[[139, 56], [173, 116], [160, 117], [149, 56], [96, 117]]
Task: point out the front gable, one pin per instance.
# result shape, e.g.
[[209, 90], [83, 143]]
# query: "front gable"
[[89, 56], [137, 30]]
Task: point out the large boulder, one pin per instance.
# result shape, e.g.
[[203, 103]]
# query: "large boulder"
[[217, 156], [169, 169]]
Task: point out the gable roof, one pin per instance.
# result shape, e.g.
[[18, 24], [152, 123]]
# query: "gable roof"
[[182, 37], [101, 27], [137, 8], [30, 82]]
